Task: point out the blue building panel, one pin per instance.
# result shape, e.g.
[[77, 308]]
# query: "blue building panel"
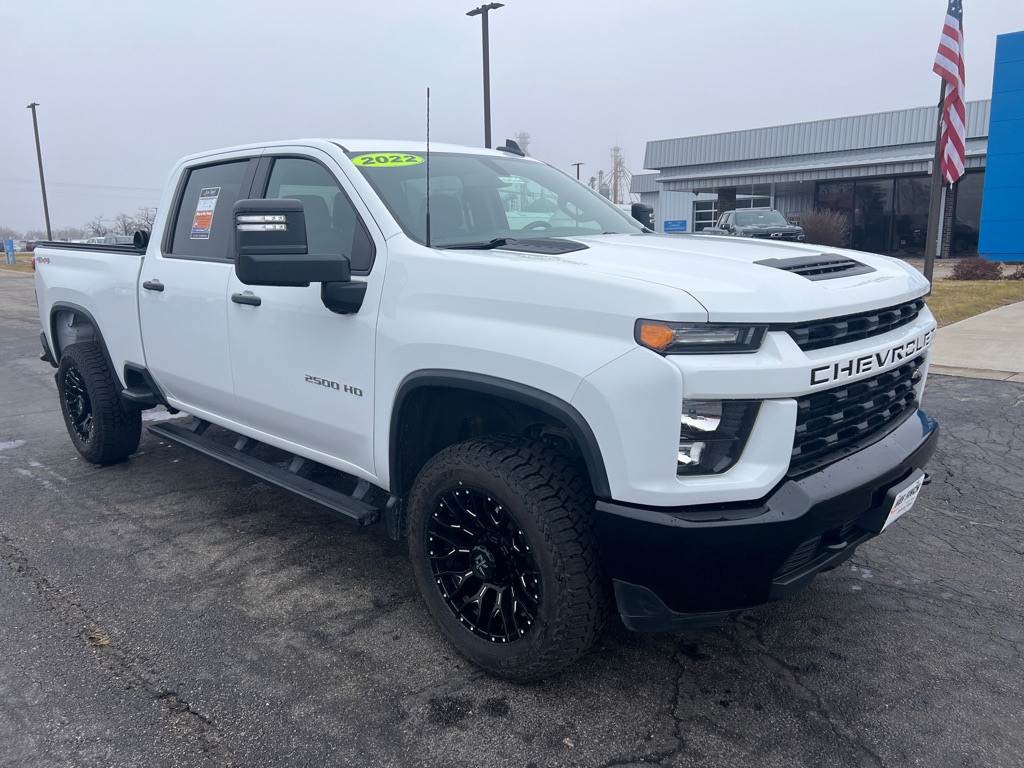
[[1002, 208], [1008, 109], [1011, 77], [1005, 170]]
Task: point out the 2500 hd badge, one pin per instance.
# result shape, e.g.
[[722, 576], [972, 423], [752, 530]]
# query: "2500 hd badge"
[[877, 361]]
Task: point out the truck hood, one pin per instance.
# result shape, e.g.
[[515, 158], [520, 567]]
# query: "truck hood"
[[722, 274]]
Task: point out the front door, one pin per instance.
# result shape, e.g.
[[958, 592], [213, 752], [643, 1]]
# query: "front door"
[[302, 373]]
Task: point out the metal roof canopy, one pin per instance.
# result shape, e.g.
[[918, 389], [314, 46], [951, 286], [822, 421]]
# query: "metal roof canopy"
[[880, 144]]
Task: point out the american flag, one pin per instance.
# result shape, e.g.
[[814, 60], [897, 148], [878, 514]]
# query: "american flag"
[[949, 65]]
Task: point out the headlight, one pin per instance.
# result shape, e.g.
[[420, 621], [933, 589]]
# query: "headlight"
[[698, 338], [712, 434]]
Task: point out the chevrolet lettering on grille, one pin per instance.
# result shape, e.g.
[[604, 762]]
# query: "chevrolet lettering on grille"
[[876, 361]]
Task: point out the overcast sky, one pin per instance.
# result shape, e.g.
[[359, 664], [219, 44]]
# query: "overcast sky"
[[127, 87]]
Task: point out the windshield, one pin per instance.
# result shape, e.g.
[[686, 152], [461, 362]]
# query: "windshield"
[[477, 199], [760, 219]]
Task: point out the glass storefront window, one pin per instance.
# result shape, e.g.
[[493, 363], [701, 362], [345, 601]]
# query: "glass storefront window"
[[968, 214], [872, 215], [910, 214], [835, 196]]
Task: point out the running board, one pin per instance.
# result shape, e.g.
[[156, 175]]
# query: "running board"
[[292, 479]]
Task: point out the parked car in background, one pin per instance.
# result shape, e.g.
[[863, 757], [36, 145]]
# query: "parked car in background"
[[756, 222]]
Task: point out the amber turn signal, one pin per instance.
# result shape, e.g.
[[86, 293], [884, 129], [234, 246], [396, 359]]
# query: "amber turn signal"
[[656, 336]]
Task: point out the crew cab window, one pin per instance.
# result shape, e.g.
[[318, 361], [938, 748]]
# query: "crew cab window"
[[203, 221], [332, 223]]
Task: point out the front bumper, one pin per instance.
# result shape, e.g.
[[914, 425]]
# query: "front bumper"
[[683, 567]]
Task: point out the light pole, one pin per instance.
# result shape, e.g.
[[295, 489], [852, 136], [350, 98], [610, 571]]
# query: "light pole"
[[39, 157], [577, 170], [482, 13]]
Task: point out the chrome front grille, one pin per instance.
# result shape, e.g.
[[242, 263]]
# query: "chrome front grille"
[[836, 422]]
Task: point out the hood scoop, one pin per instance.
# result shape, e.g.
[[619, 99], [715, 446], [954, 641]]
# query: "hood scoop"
[[823, 267], [544, 245]]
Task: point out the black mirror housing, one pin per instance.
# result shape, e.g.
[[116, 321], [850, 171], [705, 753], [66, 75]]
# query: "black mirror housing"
[[643, 213], [343, 298], [270, 247], [269, 226], [288, 270]]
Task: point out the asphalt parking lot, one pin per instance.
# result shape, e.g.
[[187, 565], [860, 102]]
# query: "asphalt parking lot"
[[170, 611]]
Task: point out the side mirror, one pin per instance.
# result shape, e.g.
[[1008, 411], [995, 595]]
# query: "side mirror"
[[141, 239], [643, 213], [270, 247]]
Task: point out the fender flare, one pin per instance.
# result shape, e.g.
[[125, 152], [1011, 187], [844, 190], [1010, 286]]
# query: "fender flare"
[[509, 390], [63, 306]]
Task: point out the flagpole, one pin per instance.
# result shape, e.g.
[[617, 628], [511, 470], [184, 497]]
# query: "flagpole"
[[935, 197]]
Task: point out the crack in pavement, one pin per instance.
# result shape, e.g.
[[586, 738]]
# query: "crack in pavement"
[[116, 660]]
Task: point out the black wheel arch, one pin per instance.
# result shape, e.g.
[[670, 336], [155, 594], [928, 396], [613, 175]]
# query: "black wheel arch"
[[131, 373], [436, 408], [97, 335]]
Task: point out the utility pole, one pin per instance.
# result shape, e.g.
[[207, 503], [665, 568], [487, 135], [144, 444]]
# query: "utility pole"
[[577, 170], [481, 11], [39, 157]]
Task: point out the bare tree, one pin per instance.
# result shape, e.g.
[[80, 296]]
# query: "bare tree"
[[68, 233], [826, 227], [125, 224], [6, 233], [523, 140], [97, 227], [145, 217]]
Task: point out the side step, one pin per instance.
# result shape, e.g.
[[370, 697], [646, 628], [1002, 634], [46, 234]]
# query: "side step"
[[292, 479]]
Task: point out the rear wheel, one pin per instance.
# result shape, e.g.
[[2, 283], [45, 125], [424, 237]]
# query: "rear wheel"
[[101, 428], [504, 554]]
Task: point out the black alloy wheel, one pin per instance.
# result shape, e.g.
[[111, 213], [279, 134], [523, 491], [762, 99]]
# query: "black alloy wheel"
[[504, 554], [99, 425], [483, 565], [75, 399]]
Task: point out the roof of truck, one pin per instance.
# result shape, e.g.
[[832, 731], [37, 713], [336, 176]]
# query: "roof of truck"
[[356, 146]]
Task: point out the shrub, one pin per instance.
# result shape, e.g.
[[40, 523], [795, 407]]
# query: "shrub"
[[826, 227], [976, 268], [1017, 274]]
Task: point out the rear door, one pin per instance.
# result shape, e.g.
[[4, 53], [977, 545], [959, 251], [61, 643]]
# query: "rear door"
[[302, 373], [182, 297]]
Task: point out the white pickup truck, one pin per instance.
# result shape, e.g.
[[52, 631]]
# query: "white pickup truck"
[[563, 411]]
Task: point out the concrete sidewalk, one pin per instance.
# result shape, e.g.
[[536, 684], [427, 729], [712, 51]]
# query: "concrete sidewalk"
[[986, 346]]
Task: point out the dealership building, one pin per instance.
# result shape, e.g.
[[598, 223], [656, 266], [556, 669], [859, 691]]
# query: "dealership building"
[[873, 168]]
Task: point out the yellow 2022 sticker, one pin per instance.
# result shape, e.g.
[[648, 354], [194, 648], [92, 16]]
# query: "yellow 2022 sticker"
[[389, 160]]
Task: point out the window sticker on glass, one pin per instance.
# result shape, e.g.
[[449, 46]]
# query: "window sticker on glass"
[[204, 213], [389, 160], [511, 180]]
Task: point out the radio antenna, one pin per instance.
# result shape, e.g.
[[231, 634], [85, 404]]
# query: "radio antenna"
[[428, 166]]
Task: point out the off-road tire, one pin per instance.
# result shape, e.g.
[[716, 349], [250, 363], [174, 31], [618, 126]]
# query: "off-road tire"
[[99, 425], [549, 511]]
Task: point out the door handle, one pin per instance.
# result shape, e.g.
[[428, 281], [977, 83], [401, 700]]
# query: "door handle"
[[245, 298], [153, 285]]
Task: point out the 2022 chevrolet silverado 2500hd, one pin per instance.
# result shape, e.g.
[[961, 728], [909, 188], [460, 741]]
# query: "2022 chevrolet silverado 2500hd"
[[563, 411]]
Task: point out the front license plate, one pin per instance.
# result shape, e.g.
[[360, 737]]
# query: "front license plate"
[[904, 501]]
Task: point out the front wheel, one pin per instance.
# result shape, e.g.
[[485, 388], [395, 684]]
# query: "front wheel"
[[101, 428], [503, 552]]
